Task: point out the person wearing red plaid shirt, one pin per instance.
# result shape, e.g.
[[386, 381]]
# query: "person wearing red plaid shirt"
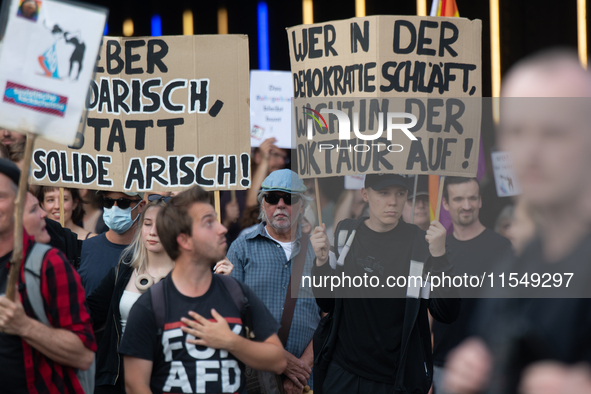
[[35, 358]]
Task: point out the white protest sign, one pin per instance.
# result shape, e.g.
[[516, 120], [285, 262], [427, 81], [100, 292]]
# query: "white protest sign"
[[46, 63], [505, 178], [354, 182], [271, 93]]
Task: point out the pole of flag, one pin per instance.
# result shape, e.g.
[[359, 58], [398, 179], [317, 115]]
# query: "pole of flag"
[[582, 31], [414, 199], [439, 196]]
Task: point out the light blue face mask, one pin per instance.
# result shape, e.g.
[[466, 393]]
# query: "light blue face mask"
[[119, 220]]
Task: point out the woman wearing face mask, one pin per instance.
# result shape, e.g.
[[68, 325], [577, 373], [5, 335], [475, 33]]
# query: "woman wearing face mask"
[[144, 263], [49, 198]]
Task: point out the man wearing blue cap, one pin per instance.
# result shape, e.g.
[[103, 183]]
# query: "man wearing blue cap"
[[266, 258], [379, 340]]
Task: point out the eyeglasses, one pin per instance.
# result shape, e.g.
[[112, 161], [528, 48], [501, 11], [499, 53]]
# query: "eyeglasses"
[[158, 197], [122, 203], [288, 199]]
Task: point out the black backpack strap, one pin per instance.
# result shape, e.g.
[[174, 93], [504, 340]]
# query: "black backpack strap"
[[158, 304], [236, 290]]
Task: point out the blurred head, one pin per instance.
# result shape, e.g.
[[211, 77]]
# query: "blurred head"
[[49, 198], [34, 220], [422, 217], [188, 225], [461, 198], [282, 200], [146, 238], [9, 138], [278, 158], [545, 126]]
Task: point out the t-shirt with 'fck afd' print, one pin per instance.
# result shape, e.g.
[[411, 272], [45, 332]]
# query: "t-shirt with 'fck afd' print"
[[178, 366]]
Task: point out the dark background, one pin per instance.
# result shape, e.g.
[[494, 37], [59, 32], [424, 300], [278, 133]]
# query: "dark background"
[[526, 26]]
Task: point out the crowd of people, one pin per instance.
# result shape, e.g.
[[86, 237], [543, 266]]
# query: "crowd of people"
[[152, 292]]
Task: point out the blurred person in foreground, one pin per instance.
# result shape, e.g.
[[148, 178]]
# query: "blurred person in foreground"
[[549, 142], [34, 357]]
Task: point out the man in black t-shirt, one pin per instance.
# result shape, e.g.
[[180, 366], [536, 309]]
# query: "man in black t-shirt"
[[201, 347], [382, 331], [472, 249]]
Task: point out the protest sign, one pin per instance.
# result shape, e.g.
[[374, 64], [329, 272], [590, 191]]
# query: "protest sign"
[[387, 94], [271, 93], [165, 113], [47, 60], [505, 179], [354, 182]]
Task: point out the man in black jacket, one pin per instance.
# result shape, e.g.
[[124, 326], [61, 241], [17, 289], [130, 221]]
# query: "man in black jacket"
[[380, 330]]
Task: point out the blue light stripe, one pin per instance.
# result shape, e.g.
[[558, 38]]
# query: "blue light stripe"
[[156, 26], [263, 35]]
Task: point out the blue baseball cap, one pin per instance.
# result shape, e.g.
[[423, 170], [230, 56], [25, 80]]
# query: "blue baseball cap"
[[283, 181]]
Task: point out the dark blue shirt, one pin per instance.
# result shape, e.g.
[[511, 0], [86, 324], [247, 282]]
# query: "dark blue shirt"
[[98, 256]]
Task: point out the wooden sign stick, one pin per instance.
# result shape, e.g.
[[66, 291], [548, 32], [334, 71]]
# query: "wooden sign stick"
[[318, 201], [216, 199], [17, 251]]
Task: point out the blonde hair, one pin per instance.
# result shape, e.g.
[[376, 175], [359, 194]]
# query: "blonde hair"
[[136, 254]]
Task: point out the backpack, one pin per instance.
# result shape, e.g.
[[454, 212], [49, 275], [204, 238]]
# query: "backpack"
[[33, 265]]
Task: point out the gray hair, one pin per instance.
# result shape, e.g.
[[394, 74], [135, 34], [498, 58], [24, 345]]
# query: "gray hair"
[[263, 216]]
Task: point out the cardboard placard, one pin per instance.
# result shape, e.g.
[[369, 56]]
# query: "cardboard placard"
[[271, 93], [165, 113], [505, 178], [47, 58], [383, 68]]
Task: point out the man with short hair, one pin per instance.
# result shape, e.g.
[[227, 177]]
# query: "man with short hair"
[[472, 249], [545, 128], [35, 358], [101, 253], [264, 259], [382, 341], [422, 215], [200, 348]]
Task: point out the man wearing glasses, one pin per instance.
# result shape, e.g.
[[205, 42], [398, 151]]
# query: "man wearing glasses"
[[101, 253], [266, 258]]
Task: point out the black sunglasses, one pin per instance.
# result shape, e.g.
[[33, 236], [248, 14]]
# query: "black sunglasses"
[[288, 199], [158, 197], [122, 203]]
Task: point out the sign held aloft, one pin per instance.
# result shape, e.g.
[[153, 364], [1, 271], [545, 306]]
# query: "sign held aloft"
[[165, 113], [47, 59], [387, 94]]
